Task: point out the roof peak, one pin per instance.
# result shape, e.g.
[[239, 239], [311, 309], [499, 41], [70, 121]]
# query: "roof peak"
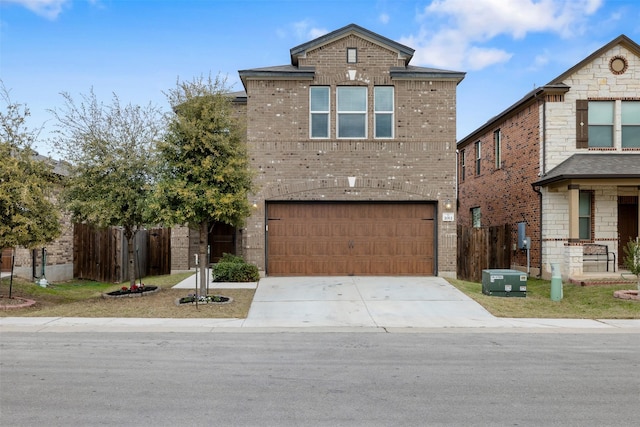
[[301, 50]]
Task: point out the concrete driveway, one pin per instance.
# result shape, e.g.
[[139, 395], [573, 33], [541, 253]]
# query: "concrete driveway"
[[357, 301]]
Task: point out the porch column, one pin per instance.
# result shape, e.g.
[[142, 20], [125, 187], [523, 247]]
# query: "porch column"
[[574, 213]]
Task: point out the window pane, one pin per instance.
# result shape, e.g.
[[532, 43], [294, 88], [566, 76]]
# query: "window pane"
[[319, 99], [584, 213], [585, 228], [585, 204], [384, 125], [320, 125], [352, 99], [601, 113], [600, 136], [475, 217], [351, 125], [630, 136], [630, 113], [383, 98]]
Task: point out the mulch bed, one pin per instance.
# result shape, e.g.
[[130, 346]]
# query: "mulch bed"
[[121, 293]]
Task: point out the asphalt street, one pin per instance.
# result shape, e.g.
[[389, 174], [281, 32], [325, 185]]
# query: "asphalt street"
[[238, 378]]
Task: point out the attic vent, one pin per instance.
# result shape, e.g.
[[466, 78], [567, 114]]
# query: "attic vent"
[[618, 65], [556, 97]]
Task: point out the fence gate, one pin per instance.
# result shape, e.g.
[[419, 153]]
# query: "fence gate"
[[102, 254], [482, 248]]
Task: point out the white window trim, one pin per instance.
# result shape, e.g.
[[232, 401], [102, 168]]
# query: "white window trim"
[[385, 113], [365, 112], [327, 112]]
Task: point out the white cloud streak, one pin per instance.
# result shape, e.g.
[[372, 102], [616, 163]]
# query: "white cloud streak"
[[49, 9], [456, 33]]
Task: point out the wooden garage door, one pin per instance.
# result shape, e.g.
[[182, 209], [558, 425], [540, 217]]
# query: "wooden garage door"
[[350, 238]]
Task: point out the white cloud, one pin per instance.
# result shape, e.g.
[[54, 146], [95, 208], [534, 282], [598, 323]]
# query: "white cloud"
[[384, 18], [49, 9], [454, 33], [304, 30]]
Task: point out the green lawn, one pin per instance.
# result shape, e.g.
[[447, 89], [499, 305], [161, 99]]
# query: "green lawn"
[[579, 302], [83, 298]]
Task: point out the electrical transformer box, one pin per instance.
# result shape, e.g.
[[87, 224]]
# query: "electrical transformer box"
[[504, 283]]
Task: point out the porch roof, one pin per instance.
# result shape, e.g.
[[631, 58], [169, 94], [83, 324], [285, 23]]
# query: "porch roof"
[[594, 166]]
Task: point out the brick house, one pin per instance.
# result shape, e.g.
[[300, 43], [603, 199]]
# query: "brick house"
[[562, 166], [354, 153], [57, 254]]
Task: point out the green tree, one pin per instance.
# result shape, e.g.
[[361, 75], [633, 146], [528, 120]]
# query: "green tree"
[[111, 150], [205, 176], [29, 216]]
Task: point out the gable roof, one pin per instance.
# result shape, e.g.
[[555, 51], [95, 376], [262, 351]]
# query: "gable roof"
[[293, 70], [620, 40], [301, 50], [556, 85], [594, 165]]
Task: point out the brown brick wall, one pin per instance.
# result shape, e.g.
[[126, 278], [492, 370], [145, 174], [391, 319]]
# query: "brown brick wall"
[[59, 255], [418, 164], [505, 195]]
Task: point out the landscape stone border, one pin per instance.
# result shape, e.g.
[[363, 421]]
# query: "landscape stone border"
[[25, 303]]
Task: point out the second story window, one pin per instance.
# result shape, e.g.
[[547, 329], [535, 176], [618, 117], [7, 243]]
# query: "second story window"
[[600, 123], [319, 111], [630, 124], [383, 106], [478, 158], [462, 164], [352, 112], [497, 144]]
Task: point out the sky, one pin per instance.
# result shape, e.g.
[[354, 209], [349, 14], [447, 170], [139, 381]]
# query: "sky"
[[138, 49]]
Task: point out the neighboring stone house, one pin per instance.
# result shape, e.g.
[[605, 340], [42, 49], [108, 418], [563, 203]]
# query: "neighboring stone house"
[[562, 166], [355, 155]]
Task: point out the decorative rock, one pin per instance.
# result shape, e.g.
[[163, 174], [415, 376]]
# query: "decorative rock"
[[627, 294]]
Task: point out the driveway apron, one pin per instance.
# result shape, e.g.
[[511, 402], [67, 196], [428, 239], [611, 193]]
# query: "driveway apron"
[[363, 301]]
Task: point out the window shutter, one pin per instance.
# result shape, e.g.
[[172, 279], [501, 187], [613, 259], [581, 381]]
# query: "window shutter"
[[582, 123]]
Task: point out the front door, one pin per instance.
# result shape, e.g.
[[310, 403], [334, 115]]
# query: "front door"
[[627, 224], [222, 240]]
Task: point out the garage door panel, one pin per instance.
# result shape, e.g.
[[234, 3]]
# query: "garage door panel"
[[326, 238]]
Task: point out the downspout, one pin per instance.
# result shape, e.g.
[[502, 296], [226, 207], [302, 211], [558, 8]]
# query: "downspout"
[[456, 181], [537, 190]]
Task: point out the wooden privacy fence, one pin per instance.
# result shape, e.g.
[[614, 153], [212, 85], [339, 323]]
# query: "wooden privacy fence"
[[102, 254], [482, 248]]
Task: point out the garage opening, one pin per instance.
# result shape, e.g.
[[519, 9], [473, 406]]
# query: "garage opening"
[[350, 238]]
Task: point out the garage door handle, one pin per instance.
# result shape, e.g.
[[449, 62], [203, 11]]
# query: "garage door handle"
[[351, 245]]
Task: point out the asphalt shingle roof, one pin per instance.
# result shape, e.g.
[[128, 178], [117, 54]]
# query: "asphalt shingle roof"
[[594, 165]]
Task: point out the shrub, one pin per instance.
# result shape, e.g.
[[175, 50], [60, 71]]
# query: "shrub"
[[231, 258], [632, 259], [232, 268]]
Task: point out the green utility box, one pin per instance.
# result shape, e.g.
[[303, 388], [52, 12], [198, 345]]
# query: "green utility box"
[[504, 283]]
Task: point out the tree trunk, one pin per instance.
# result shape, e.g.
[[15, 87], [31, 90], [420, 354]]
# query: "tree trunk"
[[203, 257], [130, 235]]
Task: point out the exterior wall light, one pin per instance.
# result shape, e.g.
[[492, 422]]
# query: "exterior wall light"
[[448, 205]]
